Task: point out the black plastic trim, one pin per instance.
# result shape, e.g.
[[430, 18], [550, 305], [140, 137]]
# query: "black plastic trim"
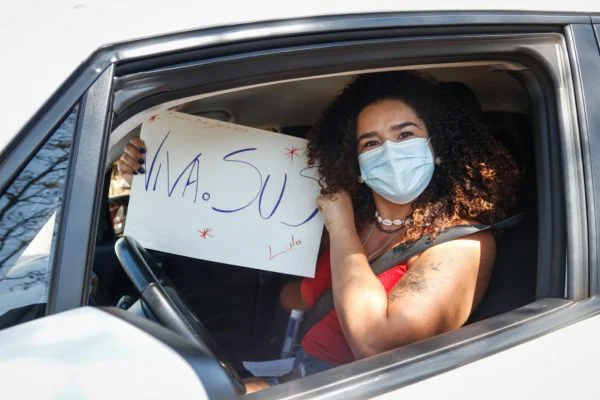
[[597, 32], [398, 368], [550, 188], [78, 227], [213, 378], [128, 253], [585, 63]]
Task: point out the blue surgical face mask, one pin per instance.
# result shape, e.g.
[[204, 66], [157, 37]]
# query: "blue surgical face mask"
[[398, 171]]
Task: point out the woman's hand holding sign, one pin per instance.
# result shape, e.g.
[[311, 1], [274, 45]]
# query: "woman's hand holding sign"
[[337, 211], [132, 160]]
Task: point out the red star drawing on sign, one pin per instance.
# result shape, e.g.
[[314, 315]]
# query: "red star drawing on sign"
[[153, 118], [204, 233], [291, 152]]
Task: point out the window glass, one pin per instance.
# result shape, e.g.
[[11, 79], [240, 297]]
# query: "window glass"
[[28, 215]]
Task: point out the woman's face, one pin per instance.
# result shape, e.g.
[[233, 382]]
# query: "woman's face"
[[391, 120]]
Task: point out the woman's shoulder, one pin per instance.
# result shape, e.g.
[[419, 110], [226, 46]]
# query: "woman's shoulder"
[[475, 239], [473, 247]]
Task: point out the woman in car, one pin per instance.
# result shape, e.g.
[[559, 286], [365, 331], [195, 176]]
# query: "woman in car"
[[398, 159]]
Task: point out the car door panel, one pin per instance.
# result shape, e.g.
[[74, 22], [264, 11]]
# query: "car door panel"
[[395, 370], [543, 367]]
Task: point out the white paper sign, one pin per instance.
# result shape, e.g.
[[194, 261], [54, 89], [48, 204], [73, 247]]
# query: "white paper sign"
[[226, 193]]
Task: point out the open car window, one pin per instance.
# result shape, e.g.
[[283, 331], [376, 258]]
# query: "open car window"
[[240, 306]]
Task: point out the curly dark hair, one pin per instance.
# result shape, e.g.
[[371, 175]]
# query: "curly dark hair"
[[477, 178]]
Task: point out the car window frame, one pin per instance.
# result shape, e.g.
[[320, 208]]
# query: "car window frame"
[[561, 147], [88, 87], [43, 243], [585, 64], [70, 285]]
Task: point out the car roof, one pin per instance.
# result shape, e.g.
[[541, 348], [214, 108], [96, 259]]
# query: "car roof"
[[43, 44]]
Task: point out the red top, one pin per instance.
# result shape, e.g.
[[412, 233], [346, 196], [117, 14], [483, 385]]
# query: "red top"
[[325, 339]]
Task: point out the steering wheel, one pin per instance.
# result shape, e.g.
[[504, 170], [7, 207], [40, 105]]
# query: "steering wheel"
[[159, 295]]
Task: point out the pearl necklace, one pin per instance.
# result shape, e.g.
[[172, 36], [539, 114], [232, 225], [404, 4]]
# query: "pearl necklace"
[[389, 222]]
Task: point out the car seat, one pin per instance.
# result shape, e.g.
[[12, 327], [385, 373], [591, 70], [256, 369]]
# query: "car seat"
[[513, 279]]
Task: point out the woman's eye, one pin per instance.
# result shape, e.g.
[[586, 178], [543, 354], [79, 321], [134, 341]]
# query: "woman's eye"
[[370, 143], [404, 135]]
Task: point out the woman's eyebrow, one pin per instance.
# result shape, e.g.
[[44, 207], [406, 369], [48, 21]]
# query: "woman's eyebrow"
[[404, 125], [366, 135]]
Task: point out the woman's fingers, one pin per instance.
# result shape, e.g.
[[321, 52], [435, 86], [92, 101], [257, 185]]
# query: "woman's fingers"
[[135, 153], [139, 144], [337, 210], [132, 159], [128, 164], [134, 156], [127, 167]]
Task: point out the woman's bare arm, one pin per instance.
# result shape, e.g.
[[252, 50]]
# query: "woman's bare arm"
[[441, 288]]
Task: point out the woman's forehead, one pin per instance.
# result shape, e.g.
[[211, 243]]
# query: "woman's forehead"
[[384, 112]]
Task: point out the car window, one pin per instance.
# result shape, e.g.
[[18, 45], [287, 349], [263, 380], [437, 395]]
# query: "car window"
[[28, 216]]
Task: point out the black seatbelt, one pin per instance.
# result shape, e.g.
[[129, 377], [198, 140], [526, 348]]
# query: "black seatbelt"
[[401, 253]]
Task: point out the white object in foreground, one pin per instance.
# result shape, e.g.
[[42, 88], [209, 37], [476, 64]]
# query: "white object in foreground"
[[88, 354]]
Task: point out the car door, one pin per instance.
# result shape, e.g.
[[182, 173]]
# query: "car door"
[[71, 128]]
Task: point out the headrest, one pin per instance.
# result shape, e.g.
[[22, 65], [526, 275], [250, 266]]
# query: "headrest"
[[463, 95]]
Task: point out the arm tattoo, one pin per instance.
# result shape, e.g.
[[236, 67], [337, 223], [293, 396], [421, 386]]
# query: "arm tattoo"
[[415, 280]]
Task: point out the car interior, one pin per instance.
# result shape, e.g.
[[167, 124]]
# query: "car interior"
[[240, 306]]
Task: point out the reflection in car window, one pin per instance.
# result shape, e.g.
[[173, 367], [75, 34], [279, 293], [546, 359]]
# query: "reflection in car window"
[[27, 228]]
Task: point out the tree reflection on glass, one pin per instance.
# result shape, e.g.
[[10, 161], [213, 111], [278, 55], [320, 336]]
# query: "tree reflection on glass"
[[27, 216]]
